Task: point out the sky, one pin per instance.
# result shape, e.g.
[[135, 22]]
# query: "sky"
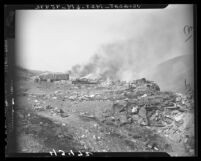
[[56, 40]]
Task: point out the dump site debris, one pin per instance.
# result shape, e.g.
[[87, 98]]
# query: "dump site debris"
[[109, 115]]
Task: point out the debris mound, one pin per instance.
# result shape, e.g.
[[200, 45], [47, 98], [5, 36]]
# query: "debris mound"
[[169, 113]]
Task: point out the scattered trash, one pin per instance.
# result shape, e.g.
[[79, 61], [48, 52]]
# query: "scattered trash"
[[144, 95], [155, 148]]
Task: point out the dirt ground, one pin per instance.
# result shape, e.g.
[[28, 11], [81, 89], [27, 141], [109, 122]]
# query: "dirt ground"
[[49, 117]]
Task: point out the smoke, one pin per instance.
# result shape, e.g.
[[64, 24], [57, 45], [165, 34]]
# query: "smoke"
[[126, 60], [158, 40]]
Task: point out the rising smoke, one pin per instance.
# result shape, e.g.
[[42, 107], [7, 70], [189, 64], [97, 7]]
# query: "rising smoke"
[[158, 40]]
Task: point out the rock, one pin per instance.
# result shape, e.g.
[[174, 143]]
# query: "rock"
[[129, 120], [64, 115], [49, 107], [135, 117], [60, 136], [142, 122], [179, 123], [123, 119], [153, 117], [134, 110], [142, 112], [178, 99], [132, 101], [178, 117], [95, 125], [72, 97], [118, 106], [181, 108], [54, 114], [131, 95], [98, 137], [168, 120], [39, 108], [61, 111], [112, 118]]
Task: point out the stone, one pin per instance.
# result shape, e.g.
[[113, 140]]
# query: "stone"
[[134, 110], [132, 101], [178, 117], [49, 107], [118, 106], [123, 119], [64, 115], [178, 99], [98, 137], [135, 117], [168, 120], [142, 121], [179, 123], [61, 111], [142, 112]]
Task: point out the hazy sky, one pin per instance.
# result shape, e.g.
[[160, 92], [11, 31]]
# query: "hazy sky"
[[55, 40]]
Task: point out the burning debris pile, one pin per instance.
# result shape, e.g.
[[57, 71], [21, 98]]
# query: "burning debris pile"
[[50, 77]]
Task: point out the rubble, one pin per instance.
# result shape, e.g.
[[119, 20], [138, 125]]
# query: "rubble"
[[139, 103], [144, 104]]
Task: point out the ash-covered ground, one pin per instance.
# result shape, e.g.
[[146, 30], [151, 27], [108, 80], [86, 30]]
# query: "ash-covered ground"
[[109, 116]]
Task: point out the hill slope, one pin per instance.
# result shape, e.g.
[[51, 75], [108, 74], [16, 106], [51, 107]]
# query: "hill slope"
[[171, 74]]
